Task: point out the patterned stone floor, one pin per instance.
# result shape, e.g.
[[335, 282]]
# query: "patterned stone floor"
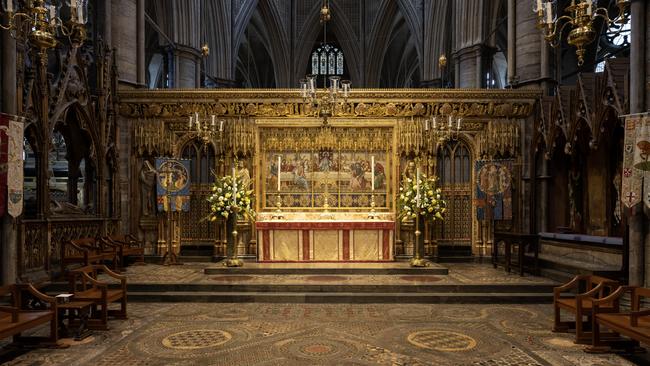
[[310, 334], [459, 273]]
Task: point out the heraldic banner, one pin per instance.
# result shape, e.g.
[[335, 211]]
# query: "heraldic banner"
[[11, 165], [494, 188], [636, 163], [173, 184]]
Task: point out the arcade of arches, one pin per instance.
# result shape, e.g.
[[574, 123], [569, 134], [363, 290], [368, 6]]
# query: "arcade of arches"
[[137, 121]]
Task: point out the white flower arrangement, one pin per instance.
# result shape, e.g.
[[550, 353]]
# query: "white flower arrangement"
[[229, 199], [431, 203]]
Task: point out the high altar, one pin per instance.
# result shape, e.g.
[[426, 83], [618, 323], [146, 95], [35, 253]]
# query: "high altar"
[[312, 181]]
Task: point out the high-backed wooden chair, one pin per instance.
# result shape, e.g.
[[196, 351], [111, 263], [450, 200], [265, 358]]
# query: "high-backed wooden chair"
[[85, 286], [581, 290]]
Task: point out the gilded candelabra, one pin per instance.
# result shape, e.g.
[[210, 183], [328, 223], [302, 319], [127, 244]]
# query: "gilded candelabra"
[[42, 21], [233, 261], [442, 129], [204, 130], [581, 16], [324, 103]]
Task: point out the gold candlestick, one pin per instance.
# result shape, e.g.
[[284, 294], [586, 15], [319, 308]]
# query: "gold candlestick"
[[373, 213], [278, 212], [416, 261], [233, 261]]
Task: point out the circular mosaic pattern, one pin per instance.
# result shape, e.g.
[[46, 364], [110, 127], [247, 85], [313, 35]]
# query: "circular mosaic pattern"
[[196, 339], [232, 278], [442, 340], [325, 278], [421, 278], [317, 349]]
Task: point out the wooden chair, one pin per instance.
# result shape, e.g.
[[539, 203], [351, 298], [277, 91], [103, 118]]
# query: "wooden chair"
[[128, 245], [85, 286], [586, 287], [86, 251], [17, 317], [634, 324]]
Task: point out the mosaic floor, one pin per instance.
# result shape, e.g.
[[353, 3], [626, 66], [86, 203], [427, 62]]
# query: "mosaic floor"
[[309, 334], [459, 273]]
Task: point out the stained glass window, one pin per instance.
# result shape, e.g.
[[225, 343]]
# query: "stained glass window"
[[327, 60]]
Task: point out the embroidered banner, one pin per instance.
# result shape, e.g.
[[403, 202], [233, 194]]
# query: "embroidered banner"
[[15, 169], [494, 188], [636, 151], [173, 184]]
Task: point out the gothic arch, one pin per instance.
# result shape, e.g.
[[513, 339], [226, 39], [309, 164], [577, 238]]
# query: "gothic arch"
[[380, 31], [342, 29]]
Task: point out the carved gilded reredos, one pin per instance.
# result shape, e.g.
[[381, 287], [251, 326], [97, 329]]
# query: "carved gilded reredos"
[[177, 103]]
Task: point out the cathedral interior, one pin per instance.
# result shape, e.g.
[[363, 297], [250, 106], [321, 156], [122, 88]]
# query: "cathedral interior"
[[307, 182]]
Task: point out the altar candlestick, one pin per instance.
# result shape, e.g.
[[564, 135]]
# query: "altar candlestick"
[[458, 124], [539, 5], [417, 189], [190, 122], [372, 172], [214, 123], [10, 6], [279, 170], [220, 125], [450, 122], [234, 183]]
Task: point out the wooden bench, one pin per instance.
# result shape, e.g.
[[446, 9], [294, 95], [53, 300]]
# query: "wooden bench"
[[17, 318], [128, 245], [85, 286], [634, 324], [586, 287], [86, 251]]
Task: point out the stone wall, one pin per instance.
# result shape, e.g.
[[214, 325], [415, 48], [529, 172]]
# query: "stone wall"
[[125, 29]]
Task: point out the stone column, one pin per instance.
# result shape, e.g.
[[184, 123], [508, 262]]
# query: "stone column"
[[108, 26], [141, 79], [9, 232], [187, 61], [512, 40], [527, 50], [637, 239]]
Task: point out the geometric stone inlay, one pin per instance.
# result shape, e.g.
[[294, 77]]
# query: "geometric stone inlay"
[[196, 339], [442, 340], [428, 278]]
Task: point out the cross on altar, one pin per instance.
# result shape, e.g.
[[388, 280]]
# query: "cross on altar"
[[631, 196]]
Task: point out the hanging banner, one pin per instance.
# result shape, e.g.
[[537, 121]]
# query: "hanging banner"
[[636, 151], [11, 165], [173, 184], [494, 189], [15, 169]]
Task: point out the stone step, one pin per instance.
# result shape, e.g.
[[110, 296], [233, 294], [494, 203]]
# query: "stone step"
[[342, 297], [324, 288], [431, 270]]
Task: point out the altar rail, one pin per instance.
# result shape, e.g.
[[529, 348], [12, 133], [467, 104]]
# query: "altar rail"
[[40, 242]]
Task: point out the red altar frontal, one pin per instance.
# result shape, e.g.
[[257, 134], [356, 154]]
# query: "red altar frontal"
[[336, 240]]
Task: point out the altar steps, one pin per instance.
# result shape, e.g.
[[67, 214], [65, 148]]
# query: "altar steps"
[[432, 269], [333, 293]]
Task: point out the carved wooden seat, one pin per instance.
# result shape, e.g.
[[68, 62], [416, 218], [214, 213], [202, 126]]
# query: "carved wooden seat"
[[85, 252], [85, 286], [585, 288], [127, 246], [634, 324], [16, 317]]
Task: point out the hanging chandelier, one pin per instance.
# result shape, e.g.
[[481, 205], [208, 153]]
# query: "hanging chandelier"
[[581, 15], [442, 129], [205, 130], [330, 60], [38, 21]]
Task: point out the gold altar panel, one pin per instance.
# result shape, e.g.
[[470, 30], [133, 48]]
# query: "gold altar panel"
[[286, 245], [316, 165], [326, 245], [366, 245]]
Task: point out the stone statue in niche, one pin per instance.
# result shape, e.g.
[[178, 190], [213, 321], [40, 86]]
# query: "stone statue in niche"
[[244, 175], [147, 189]]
